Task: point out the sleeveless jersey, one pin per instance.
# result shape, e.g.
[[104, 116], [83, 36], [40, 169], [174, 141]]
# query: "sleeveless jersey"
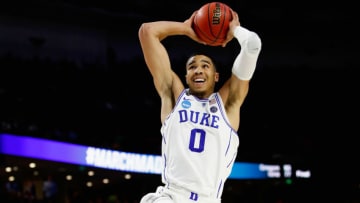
[[199, 146]]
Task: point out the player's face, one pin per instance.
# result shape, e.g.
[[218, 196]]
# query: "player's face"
[[201, 75]]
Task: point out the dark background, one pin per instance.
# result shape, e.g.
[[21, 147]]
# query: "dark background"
[[73, 71]]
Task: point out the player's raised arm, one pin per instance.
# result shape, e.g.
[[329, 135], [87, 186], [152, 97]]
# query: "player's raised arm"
[[236, 87], [167, 83]]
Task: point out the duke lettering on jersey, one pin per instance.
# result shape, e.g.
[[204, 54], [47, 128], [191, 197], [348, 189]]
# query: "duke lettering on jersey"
[[197, 117]]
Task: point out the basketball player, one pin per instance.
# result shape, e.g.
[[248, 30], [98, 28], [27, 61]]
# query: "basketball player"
[[199, 125]]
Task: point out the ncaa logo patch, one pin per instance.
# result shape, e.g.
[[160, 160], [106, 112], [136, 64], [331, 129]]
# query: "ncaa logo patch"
[[186, 104]]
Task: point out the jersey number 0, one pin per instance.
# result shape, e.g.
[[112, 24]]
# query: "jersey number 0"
[[197, 140]]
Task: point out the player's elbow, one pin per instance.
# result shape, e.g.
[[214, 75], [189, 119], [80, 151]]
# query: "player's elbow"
[[150, 31], [144, 30], [254, 43]]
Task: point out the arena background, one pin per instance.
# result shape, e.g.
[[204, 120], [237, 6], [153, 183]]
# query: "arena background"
[[72, 71]]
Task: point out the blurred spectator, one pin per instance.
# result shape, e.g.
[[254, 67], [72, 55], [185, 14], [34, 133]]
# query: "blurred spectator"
[[29, 192], [13, 190], [50, 190]]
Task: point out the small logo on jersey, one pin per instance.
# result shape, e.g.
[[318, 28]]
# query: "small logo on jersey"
[[194, 196], [213, 109], [212, 101], [186, 104]]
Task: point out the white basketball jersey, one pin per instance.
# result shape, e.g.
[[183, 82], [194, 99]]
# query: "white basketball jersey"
[[199, 146]]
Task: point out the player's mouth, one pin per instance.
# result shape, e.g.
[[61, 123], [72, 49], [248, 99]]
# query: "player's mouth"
[[199, 80]]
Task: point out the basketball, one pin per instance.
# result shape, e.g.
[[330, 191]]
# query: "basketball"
[[211, 23]]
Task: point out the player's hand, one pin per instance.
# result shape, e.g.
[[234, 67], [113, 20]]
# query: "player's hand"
[[191, 33], [234, 22]]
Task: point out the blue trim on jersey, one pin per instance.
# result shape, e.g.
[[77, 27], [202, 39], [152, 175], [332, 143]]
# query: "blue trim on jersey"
[[219, 189], [221, 104]]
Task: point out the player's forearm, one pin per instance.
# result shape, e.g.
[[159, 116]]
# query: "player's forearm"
[[245, 63], [163, 29]]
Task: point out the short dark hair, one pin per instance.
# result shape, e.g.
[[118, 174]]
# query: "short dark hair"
[[205, 54]]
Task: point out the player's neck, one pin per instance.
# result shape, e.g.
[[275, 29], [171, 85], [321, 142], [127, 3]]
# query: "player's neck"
[[200, 95]]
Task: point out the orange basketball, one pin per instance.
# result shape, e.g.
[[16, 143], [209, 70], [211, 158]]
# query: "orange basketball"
[[211, 23]]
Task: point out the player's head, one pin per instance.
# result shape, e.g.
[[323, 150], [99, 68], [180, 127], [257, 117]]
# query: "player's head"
[[201, 75]]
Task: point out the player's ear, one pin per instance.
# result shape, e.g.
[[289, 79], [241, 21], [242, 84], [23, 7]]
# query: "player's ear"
[[186, 79], [217, 76]]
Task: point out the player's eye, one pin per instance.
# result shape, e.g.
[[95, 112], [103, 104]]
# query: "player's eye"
[[205, 65]]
